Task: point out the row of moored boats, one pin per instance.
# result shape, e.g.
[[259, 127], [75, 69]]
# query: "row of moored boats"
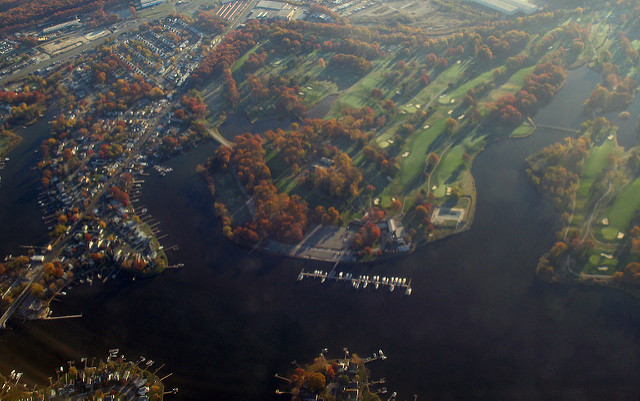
[[362, 280]]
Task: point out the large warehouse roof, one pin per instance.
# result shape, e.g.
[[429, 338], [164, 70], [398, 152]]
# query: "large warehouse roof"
[[509, 7]]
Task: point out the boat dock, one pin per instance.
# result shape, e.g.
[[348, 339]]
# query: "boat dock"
[[361, 281]]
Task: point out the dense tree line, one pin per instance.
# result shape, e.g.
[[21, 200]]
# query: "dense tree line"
[[539, 88], [209, 22], [555, 169], [17, 14], [277, 215], [341, 180]]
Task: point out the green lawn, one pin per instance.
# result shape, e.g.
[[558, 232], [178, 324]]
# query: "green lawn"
[[513, 85], [417, 147], [596, 260], [239, 62], [451, 165], [622, 210], [359, 94], [451, 74], [7, 143], [318, 90], [461, 91], [523, 130], [593, 167], [599, 34], [227, 191]]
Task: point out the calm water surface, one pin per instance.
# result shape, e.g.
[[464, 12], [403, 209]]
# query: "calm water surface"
[[20, 213], [478, 325]]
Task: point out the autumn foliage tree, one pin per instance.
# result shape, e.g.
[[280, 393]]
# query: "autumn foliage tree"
[[276, 214], [341, 180]]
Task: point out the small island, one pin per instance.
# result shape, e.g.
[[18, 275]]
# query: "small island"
[[338, 379]]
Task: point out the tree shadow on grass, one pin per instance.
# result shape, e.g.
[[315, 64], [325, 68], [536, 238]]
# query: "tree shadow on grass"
[[342, 78], [455, 174]]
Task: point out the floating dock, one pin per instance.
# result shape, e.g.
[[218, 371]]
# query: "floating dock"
[[362, 281]]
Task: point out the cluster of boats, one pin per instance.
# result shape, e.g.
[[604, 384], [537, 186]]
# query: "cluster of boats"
[[163, 170], [361, 280]]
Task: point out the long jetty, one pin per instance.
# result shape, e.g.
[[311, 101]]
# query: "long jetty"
[[562, 130], [362, 281]]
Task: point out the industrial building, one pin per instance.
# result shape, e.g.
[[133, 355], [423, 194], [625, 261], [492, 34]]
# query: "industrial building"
[[267, 9], [148, 3], [59, 27], [508, 7]]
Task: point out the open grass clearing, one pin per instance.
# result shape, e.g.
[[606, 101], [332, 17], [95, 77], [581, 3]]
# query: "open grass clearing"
[[522, 130], [593, 168], [622, 211], [239, 62], [513, 85], [451, 74], [451, 167], [359, 94], [419, 144], [461, 91], [7, 142], [596, 264], [234, 200]]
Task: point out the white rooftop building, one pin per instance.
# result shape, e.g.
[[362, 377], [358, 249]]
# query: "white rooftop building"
[[509, 7]]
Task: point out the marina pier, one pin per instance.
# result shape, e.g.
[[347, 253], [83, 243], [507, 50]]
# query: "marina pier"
[[361, 281]]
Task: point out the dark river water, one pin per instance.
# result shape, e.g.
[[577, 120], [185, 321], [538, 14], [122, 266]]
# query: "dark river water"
[[20, 214], [478, 325]]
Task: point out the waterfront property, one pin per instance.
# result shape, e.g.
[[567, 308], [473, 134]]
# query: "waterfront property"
[[344, 378], [112, 379]]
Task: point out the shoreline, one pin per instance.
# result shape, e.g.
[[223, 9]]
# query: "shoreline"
[[620, 287], [351, 255], [12, 144]]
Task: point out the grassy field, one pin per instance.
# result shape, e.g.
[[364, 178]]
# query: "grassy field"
[[513, 85], [359, 94], [239, 62], [523, 130], [593, 167], [7, 143], [451, 166], [227, 190], [596, 260], [623, 209], [419, 147], [461, 91], [450, 75]]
